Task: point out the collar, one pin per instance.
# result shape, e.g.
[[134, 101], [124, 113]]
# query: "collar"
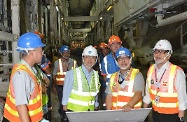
[[27, 65], [69, 61], [165, 66], [112, 55], [123, 76], [85, 70]]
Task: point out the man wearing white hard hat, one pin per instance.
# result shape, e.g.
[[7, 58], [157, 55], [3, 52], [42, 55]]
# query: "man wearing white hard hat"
[[82, 84], [165, 86]]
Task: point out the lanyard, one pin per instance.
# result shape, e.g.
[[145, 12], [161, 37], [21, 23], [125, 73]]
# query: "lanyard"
[[158, 82], [123, 77], [88, 80], [89, 84]]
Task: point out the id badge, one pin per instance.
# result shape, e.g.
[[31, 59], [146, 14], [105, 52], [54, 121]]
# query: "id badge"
[[157, 99], [157, 84]]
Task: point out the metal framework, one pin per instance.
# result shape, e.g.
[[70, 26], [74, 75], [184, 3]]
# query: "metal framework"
[[82, 18]]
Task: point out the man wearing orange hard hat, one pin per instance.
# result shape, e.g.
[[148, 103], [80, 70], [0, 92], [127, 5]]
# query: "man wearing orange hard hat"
[[40, 34], [104, 50], [108, 65]]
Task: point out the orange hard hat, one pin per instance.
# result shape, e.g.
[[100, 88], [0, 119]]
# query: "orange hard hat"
[[113, 39], [39, 34], [103, 45]]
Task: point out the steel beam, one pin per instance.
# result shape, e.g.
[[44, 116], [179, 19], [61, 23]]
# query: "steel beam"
[[80, 30], [82, 18], [15, 6], [5, 36]]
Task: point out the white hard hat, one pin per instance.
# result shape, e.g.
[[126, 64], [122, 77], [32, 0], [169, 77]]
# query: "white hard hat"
[[163, 45], [89, 51]]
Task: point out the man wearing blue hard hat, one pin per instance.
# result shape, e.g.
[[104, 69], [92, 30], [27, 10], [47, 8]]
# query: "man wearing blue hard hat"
[[61, 66], [126, 86], [24, 97]]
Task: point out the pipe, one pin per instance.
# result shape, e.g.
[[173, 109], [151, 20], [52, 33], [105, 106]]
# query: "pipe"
[[137, 12], [170, 20], [6, 64], [159, 14]]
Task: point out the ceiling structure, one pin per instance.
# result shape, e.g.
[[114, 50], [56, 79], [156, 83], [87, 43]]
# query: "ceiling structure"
[[80, 9], [79, 22]]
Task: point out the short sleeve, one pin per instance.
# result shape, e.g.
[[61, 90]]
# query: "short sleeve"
[[23, 87], [139, 83]]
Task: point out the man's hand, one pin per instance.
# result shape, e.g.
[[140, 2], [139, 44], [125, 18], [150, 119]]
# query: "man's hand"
[[65, 107], [181, 115], [96, 109], [127, 108]]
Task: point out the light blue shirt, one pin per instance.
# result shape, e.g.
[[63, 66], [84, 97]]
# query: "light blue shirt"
[[68, 84]]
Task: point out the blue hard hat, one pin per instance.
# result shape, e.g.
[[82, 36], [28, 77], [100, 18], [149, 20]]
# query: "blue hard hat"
[[123, 52], [64, 48], [29, 41]]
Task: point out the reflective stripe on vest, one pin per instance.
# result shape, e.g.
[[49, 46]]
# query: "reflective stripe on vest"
[[82, 97], [60, 74], [35, 103], [74, 64], [106, 62], [121, 96], [168, 98], [106, 69]]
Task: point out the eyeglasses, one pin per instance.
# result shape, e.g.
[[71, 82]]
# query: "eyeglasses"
[[160, 51], [122, 58], [92, 57]]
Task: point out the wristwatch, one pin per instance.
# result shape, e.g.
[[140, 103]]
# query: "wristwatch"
[[181, 119]]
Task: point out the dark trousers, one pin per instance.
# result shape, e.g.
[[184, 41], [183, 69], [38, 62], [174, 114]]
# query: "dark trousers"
[[48, 115], [64, 117], [59, 89], [102, 97], [158, 117]]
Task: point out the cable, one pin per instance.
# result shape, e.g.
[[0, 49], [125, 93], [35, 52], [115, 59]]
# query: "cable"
[[141, 14]]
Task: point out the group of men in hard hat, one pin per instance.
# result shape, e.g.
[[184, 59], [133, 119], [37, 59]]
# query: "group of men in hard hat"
[[165, 84]]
